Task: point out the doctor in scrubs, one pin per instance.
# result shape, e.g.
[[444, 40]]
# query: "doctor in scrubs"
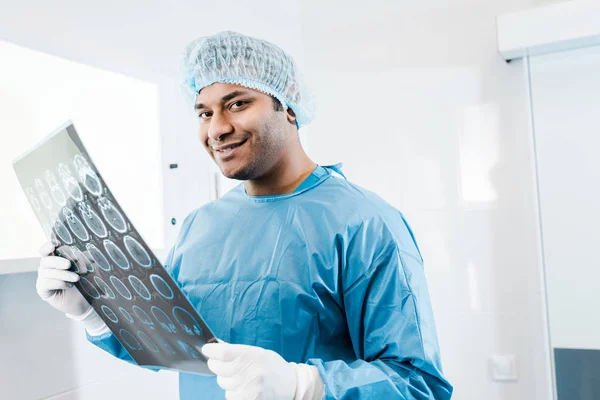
[[314, 286]]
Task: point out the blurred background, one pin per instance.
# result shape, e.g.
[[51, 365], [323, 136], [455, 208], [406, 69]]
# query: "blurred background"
[[479, 120]]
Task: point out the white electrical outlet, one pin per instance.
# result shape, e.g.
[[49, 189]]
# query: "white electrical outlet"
[[504, 367]]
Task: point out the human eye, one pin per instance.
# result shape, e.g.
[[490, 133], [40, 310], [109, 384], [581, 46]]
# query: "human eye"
[[238, 104], [204, 115]]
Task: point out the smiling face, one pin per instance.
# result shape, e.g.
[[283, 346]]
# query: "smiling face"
[[242, 130]]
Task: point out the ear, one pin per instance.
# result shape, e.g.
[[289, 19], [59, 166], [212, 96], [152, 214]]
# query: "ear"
[[291, 116]]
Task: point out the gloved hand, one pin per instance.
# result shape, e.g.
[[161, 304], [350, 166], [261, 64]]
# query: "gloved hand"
[[250, 372], [55, 283], [55, 286]]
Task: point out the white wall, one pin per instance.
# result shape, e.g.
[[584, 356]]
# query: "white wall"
[[41, 353], [415, 101], [566, 110]]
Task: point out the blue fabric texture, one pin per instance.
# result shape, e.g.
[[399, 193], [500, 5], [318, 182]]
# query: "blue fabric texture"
[[329, 275]]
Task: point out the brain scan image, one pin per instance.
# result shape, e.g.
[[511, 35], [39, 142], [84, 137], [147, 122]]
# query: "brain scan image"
[[144, 317], [166, 345], [33, 200], [130, 340], [137, 252], [116, 255], [139, 287], [42, 193], [163, 320], [121, 288], [97, 258], [187, 322], [49, 232], [87, 176], [69, 182], [105, 290], [118, 273], [110, 314], [161, 286], [55, 189], [82, 264], [66, 252], [92, 220], [75, 224], [126, 315], [63, 233], [148, 342], [112, 215], [187, 349], [88, 288]]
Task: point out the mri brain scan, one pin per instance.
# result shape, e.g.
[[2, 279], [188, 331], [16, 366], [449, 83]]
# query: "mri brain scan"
[[161, 286], [110, 314], [87, 176], [143, 316], [112, 215], [119, 275], [105, 290], [92, 220], [55, 189], [42, 193], [187, 322], [69, 182], [115, 254], [121, 288], [62, 232], [33, 200], [148, 342], [137, 252], [126, 315], [97, 257], [130, 341], [75, 224], [163, 320], [139, 287]]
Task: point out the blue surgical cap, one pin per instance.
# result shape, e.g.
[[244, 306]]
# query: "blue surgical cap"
[[230, 57]]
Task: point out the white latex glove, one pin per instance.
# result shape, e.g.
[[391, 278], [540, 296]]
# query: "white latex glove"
[[55, 286], [55, 283], [250, 372]]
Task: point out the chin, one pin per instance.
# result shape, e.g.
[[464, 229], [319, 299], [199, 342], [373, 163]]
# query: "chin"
[[234, 173]]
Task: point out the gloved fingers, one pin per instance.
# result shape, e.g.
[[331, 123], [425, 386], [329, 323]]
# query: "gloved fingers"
[[47, 249], [228, 383], [53, 262], [234, 377], [48, 286], [58, 274], [241, 395], [228, 368], [223, 351]]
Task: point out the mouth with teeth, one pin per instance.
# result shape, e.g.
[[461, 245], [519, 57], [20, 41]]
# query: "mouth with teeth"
[[228, 152]]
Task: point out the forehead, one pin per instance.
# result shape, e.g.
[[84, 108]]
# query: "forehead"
[[215, 92]]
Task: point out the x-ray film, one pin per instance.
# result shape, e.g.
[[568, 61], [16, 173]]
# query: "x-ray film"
[[120, 276]]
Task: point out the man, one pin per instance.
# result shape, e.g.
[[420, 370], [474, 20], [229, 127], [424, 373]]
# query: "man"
[[314, 286]]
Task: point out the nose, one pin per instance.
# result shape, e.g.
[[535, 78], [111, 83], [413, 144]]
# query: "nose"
[[220, 127]]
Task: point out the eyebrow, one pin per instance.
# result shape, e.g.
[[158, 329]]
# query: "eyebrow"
[[224, 99]]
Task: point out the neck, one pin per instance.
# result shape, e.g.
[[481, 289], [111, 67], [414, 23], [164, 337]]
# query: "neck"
[[289, 172]]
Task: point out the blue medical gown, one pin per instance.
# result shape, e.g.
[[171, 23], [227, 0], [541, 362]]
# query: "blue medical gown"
[[329, 275]]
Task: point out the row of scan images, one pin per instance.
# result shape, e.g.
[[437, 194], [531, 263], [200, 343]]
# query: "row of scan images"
[[85, 262], [86, 175], [103, 290], [185, 321], [76, 229]]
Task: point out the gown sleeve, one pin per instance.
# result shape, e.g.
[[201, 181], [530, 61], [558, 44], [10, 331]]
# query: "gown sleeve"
[[389, 318]]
